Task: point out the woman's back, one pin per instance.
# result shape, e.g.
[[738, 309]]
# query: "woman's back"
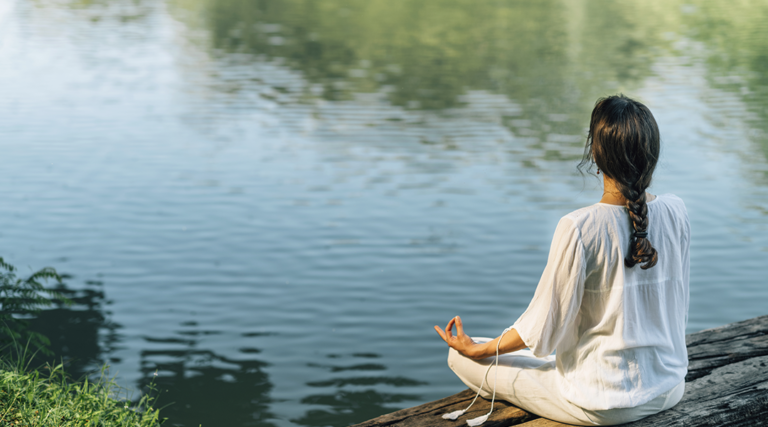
[[619, 331], [624, 344]]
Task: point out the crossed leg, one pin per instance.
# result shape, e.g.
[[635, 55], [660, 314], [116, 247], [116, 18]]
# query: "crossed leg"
[[531, 384]]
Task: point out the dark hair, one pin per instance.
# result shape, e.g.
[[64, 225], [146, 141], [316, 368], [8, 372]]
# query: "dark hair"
[[624, 142]]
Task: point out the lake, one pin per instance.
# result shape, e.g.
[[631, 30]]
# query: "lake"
[[270, 203]]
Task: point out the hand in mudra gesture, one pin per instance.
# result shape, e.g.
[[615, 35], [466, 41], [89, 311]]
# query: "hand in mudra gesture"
[[460, 342]]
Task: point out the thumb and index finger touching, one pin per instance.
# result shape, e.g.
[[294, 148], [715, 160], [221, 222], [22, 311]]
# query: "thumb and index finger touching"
[[459, 326], [448, 333]]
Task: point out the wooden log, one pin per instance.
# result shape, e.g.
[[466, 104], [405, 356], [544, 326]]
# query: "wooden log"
[[430, 414], [712, 348], [543, 422], [727, 384]]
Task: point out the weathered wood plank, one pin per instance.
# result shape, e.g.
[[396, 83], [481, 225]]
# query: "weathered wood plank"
[[430, 414], [543, 422], [712, 348], [727, 384], [733, 395], [444, 405], [754, 326]]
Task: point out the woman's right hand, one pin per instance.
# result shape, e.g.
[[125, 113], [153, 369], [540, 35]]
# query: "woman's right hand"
[[460, 342]]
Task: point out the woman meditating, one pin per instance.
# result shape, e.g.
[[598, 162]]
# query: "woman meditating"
[[612, 301]]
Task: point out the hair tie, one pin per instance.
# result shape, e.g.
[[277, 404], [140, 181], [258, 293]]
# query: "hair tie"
[[641, 234]]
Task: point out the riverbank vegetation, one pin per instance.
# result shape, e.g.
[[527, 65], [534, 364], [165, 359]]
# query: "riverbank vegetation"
[[46, 395]]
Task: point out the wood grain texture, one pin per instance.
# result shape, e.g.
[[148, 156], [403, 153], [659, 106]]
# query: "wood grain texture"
[[727, 384], [543, 422], [430, 414], [734, 395], [712, 348]]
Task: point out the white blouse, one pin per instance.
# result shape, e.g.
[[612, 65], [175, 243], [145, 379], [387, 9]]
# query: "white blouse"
[[619, 332]]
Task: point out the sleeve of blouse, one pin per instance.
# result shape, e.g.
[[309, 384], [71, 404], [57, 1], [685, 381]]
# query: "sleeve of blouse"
[[686, 258], [556, 302]]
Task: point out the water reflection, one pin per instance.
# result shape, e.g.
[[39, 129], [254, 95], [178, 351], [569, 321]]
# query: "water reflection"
[[203, 386], [357, 393], [736, 60], [198, 386], [553, 58], [81, 335], [428, 55]]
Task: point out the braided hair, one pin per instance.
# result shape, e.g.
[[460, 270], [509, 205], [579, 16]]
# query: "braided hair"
[[624, 142]]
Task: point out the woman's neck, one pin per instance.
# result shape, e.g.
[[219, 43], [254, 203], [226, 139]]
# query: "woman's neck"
[[612, 195]]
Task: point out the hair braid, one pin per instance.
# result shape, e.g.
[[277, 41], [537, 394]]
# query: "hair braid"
[[624, 142], [640, 248]]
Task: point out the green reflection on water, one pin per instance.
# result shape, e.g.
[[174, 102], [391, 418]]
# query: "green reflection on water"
[[553, 57], [736, 36], [202, 387], [82, 335]]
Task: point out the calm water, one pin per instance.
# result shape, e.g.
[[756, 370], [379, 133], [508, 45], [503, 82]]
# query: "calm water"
[[270, 203]]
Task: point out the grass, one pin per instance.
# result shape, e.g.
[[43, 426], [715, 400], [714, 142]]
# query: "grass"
[[48, 397]]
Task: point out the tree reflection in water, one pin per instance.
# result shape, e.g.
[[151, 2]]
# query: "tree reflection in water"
[[351, 399], [205, 387], [198, 385], [81, 335]]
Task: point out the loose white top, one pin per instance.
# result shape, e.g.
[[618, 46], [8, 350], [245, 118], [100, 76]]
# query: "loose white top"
[[619, 332]]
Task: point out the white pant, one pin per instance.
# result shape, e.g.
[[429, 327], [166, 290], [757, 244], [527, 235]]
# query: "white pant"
[[530, 383]]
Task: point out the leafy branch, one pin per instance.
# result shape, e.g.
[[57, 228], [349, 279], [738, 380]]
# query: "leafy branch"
[[22, 298]]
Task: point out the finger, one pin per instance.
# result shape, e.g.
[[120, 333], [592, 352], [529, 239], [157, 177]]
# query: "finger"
[[459, 327], [440, 332], [449, 328]]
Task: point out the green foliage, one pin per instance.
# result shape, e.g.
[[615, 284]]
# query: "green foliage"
[[32, 398], [22, 298], [48, 396]]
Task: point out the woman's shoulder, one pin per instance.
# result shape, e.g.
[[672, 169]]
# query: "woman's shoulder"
[[672, 202], [671, 210], [591, 212], [590, 217], [669, 198], [600, 212]]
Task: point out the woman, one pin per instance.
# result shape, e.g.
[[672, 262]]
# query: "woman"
[[612, 301]]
